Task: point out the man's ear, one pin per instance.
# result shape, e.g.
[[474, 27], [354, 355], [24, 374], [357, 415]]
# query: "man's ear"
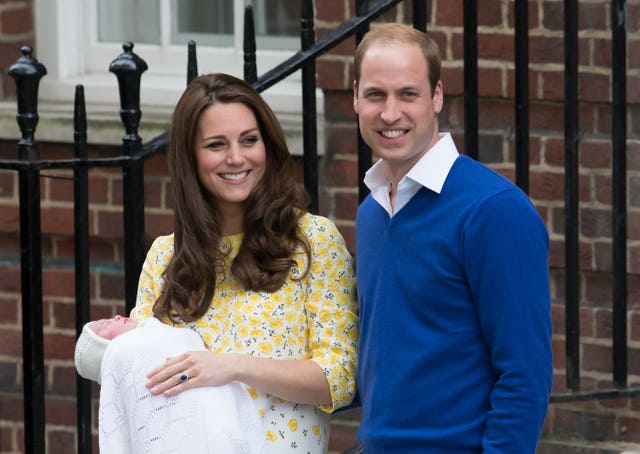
[[355, 96], [438, 97]]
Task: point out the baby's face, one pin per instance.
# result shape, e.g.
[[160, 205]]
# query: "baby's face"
[[108, 328]]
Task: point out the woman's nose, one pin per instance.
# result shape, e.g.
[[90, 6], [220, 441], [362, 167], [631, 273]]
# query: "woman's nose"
[[234, 155]]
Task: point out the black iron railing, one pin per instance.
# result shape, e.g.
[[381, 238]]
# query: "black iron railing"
[[128, 68]]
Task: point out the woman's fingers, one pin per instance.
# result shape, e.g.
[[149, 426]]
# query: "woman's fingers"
[[168, 374]]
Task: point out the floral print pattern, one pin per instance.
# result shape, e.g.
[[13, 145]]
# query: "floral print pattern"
[[311, 318]]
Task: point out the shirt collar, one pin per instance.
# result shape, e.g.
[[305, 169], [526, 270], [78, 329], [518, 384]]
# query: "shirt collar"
[[430, 171]]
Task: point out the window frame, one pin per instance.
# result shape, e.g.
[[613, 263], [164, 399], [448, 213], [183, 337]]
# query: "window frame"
[[66, 44]]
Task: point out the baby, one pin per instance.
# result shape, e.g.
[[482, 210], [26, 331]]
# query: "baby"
[[118, 353]]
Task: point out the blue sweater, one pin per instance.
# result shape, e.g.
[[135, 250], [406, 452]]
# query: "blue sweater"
[[455, 345]]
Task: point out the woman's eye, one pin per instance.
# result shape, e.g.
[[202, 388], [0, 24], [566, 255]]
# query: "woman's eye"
[[215, 145], [251, 140]]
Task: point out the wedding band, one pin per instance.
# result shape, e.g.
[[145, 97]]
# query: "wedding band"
[[183, 378]]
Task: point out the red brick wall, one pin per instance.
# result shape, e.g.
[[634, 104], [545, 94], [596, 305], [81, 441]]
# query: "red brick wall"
[[610, 420]]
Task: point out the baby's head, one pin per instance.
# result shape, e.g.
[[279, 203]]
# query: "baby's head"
[[94, 340]]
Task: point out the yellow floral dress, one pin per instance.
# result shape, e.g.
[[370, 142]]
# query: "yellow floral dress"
[[312, 318]]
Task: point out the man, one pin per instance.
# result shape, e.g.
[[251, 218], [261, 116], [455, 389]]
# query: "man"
[[455, 345]]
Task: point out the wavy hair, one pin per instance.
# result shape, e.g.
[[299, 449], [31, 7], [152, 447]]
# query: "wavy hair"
[[271, 212]]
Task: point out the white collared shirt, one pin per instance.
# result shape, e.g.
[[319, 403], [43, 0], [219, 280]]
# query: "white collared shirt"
[[430, 171]]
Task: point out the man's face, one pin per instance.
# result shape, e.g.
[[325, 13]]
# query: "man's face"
[[397, 113], [108, 328]]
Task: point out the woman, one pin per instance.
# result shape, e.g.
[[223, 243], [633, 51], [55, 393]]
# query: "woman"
[[268, 286]]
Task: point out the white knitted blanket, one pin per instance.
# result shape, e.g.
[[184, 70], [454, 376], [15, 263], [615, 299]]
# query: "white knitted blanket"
[[219, 419]]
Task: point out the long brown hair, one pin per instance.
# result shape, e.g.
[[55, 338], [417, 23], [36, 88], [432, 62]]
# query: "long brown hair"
[[271, 212]]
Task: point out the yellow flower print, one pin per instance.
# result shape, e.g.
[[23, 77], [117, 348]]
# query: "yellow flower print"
[[261, 412], [290, 316], [316, 267], [277, 340], [253, 393], [225, 342], [237, 305], [265, 315], [293, 424], [254, 297], [256, 332], [265, 348], [237, 346], [325, 316], [268, 306], [271, 436], [316, 430], [276, 323], [288, 289]]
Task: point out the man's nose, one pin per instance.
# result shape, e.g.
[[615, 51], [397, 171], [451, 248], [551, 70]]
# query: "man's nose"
[[391, 110]]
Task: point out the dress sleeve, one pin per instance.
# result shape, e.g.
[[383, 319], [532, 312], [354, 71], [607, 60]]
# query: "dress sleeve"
[[332, 313], [150, 283]]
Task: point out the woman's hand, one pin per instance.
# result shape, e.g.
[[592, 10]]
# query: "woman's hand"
[[191, 370], [301, 381]]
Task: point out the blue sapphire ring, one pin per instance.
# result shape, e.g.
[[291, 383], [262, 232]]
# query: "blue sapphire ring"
[[183, 377]]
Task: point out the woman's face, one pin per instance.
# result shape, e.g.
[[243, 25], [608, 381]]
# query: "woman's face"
[[108, 328], [230, 154]]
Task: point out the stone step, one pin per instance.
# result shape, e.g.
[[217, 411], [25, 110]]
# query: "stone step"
[[574, 446]]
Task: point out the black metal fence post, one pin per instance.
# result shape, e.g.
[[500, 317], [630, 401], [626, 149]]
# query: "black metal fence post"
[[81, 243], [619, 177], [522, 93], [364, 151], [471, 141], [192, 61], [128, 67], [571, 219], [309, 115], [249, 47], [27, 73]]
